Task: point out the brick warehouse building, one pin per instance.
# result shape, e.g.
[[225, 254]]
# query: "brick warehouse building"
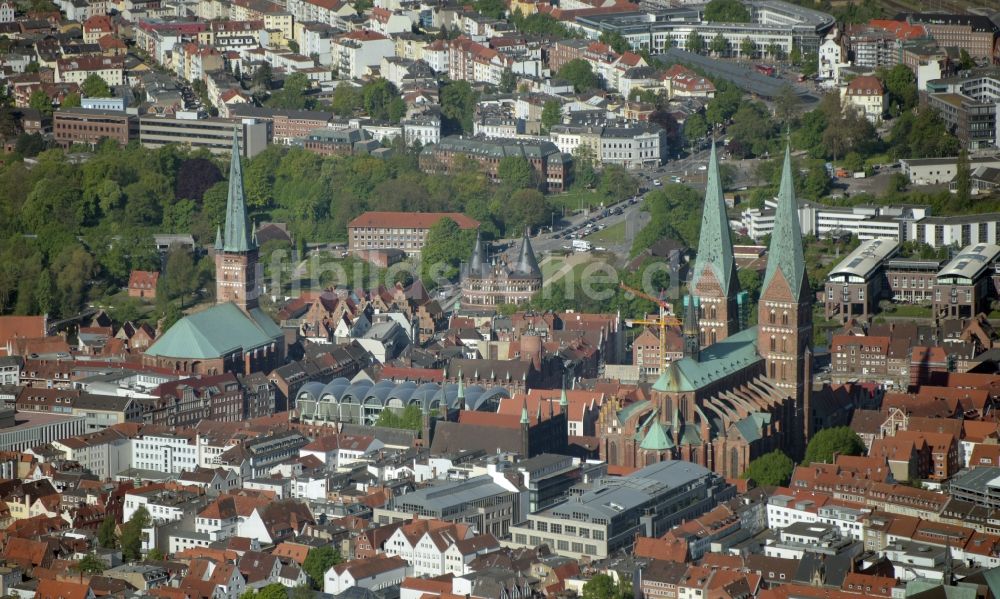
[[90, 126], [553, 168]]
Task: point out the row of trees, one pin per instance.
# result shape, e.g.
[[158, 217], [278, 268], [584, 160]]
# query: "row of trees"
[[776, 468]]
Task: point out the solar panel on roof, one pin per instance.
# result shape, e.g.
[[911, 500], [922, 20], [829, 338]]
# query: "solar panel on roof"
[[979, 248], [854, 263]]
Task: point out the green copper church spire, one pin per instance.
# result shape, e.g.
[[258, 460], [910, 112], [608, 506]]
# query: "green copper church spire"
[[715, 246], [237, 233], [785, 252]]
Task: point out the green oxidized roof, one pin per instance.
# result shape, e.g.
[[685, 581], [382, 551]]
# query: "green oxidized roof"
[[630, 409], [733, 353], [237, 234], [785, 251], [656, 438], [216, 332], [715, 246], [690, 435]]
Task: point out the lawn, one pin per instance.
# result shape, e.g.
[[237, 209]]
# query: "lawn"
[[551, 266], [909, 311], [575, 199], [613, 234]]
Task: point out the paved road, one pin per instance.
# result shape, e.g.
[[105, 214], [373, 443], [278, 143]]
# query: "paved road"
[[741, 74]]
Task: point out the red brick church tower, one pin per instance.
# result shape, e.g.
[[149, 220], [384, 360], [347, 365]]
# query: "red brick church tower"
[[784, 317], [236, 267]]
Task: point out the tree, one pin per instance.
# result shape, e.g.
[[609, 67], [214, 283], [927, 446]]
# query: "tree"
[[774, 50], [750, 281], [271, 591], [458, 104], [965, 61], [132, 534], [321, 559], [106, 536], [494, 9], [583, 165], [445, 248], [726, 11], [293, 46], [40, 101], [346, 99], [409, 418], [695, 127], [95, 87], [90, 564], [292, 95], [602, 586], [551, 114], [963, 179], [771, 469], [900, 88], [747, 47], [579, 73], [155, 555], [719, 44], [839, 440], [616, 40], [508, 81], [695, 43], [381, 101], [516, 172], [71, 100], [527, 208], [262, 77], [786, 104], [178, 279]]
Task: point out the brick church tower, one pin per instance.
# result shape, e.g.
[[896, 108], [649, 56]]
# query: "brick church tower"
[[784, 317], [713, 280], [236, 267]]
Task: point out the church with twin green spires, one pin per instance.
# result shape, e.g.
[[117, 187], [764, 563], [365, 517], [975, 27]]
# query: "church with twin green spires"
[[234, 335], [740, 391]]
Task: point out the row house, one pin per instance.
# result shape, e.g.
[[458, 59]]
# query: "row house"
[[387, 22], [97, 27], [192, 61], [315, 39], [104, 453], [436, 547], [278, 21], [157, 39]]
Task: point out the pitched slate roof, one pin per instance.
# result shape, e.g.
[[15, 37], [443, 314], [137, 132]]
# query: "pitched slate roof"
[[715, 247], [785, 253], [216, 332]]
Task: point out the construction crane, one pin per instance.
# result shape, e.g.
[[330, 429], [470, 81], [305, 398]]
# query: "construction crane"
[[664, 320]]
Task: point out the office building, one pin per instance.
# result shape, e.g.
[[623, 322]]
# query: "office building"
[[212, 134], [553, 169], [90, 126], [855, 285], [967, 103], [963, 287], [977, 34], [405, 231], [607, 515]]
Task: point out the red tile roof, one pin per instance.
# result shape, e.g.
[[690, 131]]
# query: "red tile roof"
[[411, 220]]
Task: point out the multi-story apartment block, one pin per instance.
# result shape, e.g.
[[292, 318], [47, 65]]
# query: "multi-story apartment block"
[[405, 231], [165, 452], [76, 70], [330, 12], [354, 53]]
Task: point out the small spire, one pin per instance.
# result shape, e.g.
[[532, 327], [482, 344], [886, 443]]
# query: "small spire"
[[563, 400], [524, 413], [218, 238], [253, 233]]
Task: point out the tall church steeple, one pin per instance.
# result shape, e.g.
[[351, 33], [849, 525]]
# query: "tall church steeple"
[[236, 277], [784, 317], [714, 281]]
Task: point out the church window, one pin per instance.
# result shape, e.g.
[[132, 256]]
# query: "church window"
[[771, 366], [784, 318], [714, 336], [771, 319], [773, 343], [713, 313]]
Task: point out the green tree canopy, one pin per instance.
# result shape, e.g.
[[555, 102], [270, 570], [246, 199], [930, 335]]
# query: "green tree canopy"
[[840, 440], [458, 105], [695, 127], [508, 81], [579, 73], [726, 11], [695, 42], [771, 470], [90, 564], [444, 250], [106, 536], [95, 87], [516, 172], [318, 561], [747, 47], [900, 88], [71, 100], [719, 44], [551, 114], [132, 534], [40, 101], [408, 418], [602, 586]]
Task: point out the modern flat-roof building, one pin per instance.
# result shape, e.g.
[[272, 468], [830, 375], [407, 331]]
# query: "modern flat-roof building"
[[405, 231], [772, 22], [212, 134], [964, 285], [608, 514], [864, 222], [961, 230], [932, 171], [855, 286], [89, 126], [479, 501]]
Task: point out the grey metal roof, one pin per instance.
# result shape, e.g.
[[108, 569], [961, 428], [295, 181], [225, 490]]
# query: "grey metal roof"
[[866, 258], [971, 261], [447, 494]]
